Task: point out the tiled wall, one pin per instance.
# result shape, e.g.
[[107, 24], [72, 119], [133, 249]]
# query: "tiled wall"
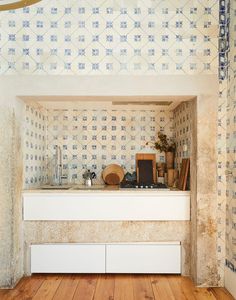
[[89, 139], [35, 167], [231, 147], [182, 131], [92, 139], [111, 37], [141, 37], [223, 48]]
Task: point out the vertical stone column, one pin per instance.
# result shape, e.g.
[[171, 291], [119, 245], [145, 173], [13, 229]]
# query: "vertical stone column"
[[193, 187], [6, 245], [11, 258], [204, 268]]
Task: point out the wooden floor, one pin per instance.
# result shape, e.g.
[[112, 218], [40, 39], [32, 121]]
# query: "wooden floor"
[[109, 287]]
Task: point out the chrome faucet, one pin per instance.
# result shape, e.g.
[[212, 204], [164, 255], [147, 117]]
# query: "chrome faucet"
[[58, 165]]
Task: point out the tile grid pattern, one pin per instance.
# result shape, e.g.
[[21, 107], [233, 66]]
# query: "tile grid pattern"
[[35, 167], [231, 147], [90, 139], [223, 48], [221, 180], [182, 132], [111, 37]]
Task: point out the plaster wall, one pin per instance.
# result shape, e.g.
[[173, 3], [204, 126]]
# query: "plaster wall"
[[229, 149], [196, 127], [74, 232], [185, 133], [11, 263], [204, 233]]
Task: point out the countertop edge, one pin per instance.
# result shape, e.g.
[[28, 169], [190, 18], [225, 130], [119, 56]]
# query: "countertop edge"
[[114, 192]]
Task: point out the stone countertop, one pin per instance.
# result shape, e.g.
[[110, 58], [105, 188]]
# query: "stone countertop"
[[76, 189]]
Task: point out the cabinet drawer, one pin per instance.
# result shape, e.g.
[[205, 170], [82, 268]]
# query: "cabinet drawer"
[[152, 258], [117, 206], [67, 258]]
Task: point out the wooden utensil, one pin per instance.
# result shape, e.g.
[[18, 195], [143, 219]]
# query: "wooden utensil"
[[146, 157], [113, 174], [184, 174], [170, 177]]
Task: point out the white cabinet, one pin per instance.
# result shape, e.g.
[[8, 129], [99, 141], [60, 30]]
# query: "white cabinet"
[[112, 206], [67, 258], [140, 258], [106, 258]]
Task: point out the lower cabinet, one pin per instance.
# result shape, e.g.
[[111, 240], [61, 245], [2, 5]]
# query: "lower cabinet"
[[143, 258], [68, 258], [106, 258]]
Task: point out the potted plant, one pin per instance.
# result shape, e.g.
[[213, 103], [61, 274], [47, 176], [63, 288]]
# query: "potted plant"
[[167, 145]]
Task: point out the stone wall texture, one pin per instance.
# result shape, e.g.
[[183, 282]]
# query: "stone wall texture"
[[102, 232], [10, 205]]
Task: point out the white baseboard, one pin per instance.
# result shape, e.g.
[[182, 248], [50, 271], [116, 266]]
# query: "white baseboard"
[[230, 281]]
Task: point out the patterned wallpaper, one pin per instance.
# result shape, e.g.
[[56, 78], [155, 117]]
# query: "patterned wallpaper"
[[111, 37], [35, 168], [182, 131], [90, 139]]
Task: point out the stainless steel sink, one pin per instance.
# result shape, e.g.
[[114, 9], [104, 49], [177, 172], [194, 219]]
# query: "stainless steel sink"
[[55, 187]]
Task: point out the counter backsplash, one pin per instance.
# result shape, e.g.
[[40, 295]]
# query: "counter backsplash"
[[89, 138]]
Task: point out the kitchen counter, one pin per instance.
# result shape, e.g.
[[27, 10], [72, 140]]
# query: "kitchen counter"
[[77, 189], [57, 223], [106, 203]]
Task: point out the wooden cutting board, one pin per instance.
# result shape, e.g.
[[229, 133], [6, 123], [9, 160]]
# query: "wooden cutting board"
[[184, 172]]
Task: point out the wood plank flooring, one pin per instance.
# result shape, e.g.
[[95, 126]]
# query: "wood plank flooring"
[[111, 287]]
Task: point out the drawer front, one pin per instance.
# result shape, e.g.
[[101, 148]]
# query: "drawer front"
[[143, 258], [66, 258], [113, 207]]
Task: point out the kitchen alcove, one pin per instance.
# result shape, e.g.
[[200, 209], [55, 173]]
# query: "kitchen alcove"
[[199, 243], [93, 133]]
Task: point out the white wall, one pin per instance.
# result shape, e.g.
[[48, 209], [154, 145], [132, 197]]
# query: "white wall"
[[160, 85]]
